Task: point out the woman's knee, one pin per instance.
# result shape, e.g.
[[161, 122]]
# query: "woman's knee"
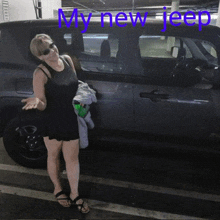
[[70, 150], [51, 155], [53, 148]]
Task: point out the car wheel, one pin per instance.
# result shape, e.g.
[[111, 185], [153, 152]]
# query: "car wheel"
[[24, 145]]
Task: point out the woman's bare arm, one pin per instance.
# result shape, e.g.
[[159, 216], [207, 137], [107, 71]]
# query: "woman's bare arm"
[[39, 101]]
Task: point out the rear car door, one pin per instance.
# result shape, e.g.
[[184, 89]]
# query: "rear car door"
[[101, 70]]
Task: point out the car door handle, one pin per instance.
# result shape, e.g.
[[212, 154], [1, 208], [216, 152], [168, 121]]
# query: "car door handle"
[[153, 96]]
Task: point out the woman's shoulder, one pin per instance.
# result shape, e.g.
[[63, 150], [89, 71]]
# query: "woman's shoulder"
[[67, 58], [42, 72]]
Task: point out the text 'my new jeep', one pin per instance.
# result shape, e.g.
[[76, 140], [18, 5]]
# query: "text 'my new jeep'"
[[141, 86]]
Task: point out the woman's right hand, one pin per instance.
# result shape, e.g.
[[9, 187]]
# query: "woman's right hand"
[[31, 103]]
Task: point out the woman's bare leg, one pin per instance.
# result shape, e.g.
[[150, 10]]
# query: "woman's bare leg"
[[70, 152], [53, 167]]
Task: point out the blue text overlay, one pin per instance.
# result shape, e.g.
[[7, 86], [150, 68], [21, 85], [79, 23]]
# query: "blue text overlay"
[[175, 19]]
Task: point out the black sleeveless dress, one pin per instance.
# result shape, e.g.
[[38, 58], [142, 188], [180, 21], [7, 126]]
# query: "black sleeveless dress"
[[60, 118]]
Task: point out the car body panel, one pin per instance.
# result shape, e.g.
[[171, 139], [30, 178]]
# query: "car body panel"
[[114, 108], [179, 111], [121, 82]]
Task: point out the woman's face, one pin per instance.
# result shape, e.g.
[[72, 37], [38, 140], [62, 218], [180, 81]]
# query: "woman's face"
[[50, 51]]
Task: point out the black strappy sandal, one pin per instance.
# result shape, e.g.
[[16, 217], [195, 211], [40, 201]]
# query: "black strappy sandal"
[[62, 193], [79, 206]]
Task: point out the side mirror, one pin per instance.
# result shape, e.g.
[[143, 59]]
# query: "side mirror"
[[175, 51]]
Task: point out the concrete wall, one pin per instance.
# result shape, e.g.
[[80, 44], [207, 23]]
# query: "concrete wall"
[[24, 9], [1, 15], [17, 10], [49, 6]]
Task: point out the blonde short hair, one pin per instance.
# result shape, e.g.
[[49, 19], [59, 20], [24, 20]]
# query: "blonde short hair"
[[38, 45]]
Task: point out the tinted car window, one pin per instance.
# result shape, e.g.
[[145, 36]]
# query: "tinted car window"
[[157, 46], [162, 67], [100, 45], [157, 61], [100, 53]]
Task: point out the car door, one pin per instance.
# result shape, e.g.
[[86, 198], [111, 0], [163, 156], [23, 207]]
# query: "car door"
[[171, 100], [173, 111], [114, 108]]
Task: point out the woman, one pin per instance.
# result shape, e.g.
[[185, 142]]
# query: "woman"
[[55, 84]]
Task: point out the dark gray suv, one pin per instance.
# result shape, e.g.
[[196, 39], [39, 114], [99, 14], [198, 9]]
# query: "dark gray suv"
[[147, 81]]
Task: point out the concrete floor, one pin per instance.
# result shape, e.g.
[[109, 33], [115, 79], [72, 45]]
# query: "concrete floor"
[[161, 184]]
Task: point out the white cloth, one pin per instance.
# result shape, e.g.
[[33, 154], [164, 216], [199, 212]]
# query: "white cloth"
[[84, 124], [86, 96]]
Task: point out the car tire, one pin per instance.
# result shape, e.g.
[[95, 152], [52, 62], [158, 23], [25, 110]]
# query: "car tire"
[[23, 143]]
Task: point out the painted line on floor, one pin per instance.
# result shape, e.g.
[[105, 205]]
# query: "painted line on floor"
[[122, 184], [94, 204]]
